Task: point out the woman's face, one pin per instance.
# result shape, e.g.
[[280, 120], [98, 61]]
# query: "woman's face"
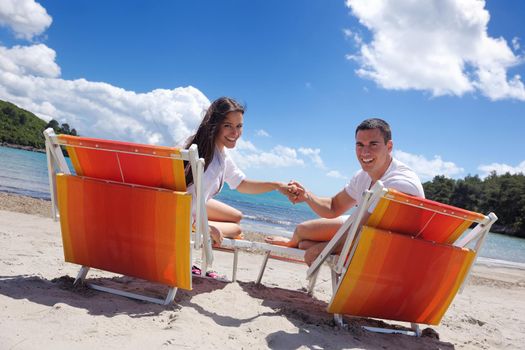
[[229, 131]]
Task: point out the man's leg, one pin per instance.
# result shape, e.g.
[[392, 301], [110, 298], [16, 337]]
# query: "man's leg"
[[313, 252], [317, 230]]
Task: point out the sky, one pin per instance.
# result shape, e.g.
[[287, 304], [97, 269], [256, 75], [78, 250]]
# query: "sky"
[[446, 74]]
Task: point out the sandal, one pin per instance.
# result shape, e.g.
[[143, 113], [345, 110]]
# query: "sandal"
[[196, 271], [215, 275]]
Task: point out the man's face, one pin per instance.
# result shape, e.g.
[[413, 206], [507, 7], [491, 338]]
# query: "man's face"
[[372, 152]]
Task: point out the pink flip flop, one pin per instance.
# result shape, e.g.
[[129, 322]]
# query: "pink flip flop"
[[196, 271], [215, 275]]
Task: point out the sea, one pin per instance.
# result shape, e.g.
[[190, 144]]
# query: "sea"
[[25, 173]]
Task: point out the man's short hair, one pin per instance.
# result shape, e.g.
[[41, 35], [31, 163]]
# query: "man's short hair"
[[376, 123]]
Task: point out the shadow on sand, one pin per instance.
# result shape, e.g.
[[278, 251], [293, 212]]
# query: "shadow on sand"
[[316, 329], [319, 331], [61, 290]]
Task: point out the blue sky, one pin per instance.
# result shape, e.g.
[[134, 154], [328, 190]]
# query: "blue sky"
[[447, 75]]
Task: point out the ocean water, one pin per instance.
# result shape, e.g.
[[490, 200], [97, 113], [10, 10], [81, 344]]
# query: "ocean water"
[[23, 172]]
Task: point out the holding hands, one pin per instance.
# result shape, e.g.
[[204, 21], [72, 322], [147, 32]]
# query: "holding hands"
[[294, 191]]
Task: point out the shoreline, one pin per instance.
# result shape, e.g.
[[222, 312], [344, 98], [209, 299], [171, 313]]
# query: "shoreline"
[[22, 147], [25, 204]]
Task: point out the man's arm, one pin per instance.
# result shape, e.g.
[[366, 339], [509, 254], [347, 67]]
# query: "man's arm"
[[323, 206]]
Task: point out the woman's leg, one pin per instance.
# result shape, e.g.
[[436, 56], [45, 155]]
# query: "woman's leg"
[[318, 230], [218, 211], [223, 220], [220, 230]]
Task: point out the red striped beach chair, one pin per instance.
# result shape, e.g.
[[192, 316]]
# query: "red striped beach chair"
[[126, 210], [406, 262]]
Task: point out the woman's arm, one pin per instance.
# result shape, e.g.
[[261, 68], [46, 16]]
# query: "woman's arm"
[[256, 187]]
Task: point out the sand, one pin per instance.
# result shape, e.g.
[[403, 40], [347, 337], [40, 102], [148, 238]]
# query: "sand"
[[41, 309]]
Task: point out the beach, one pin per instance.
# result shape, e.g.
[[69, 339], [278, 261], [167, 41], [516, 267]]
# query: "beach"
[[40, 308]]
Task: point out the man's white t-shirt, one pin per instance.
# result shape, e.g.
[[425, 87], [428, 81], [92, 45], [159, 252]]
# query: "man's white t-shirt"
[[398, 176], [221, 169]]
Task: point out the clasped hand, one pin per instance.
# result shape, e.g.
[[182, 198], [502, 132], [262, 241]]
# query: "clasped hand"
[[294, 191]]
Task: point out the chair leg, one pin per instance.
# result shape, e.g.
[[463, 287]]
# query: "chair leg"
[[171, 296], [311, 283], [416, 329], [338, 318], [204, 263], [235, 260], [265, 261], [81, 276], [415, 332], [335, 279]]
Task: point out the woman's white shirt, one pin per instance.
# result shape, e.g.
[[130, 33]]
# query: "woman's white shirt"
[[221, 169]]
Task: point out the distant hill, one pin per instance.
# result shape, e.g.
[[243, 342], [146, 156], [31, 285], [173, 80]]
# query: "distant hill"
[[19, 127]]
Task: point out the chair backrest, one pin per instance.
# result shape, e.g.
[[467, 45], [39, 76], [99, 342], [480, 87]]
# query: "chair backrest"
[[132, 230], [147, 165], [421, 218], [397, 277]]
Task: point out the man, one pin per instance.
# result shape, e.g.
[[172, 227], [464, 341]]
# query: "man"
[[374, 153]]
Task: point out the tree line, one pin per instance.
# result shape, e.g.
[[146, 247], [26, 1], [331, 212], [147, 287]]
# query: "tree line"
[[63, 128], [502, 194]]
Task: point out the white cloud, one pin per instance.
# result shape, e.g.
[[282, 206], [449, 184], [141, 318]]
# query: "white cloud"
[[336, 174], [441, 46], [279, 157], [247, 156], [37, 60], [245, 145], [98, 109], [25, 17], [501, 169], [262, 133], [355, 37], [427, 169], [516, 43], [314, 155]]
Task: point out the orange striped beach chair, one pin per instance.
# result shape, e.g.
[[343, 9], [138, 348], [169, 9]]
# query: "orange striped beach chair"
[[406, 262], [125, 210]]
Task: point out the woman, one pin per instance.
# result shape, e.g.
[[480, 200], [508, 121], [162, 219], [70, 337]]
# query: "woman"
[[219, 130]]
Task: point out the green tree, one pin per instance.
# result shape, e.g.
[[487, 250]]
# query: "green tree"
[[440, 189], [64, 129], [53, 124], [467, 193], [501, 194]]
